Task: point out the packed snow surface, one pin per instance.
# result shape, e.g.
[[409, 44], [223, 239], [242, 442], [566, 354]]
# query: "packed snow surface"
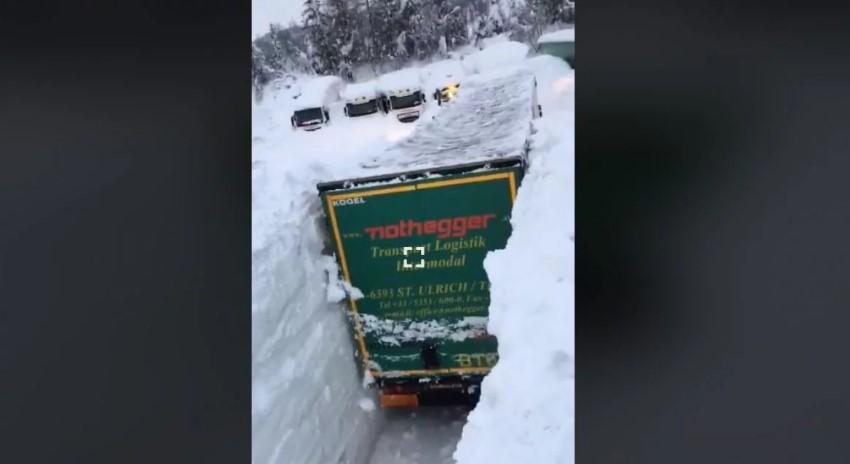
[[564, 35], [499, 54], [426, 435]]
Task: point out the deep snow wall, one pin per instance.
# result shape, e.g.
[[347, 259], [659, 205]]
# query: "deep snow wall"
[[306, 388], [526, 411]]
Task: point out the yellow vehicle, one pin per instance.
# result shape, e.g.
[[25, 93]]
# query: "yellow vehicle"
[[447, 93]]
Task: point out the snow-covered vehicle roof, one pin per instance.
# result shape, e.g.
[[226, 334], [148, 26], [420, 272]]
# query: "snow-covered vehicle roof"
[[499, 54], [563, 35], [367, 90], [402, 79], [490, 120], [319, 92], [441, 73]]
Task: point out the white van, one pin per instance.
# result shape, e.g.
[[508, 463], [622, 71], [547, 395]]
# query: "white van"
[[311, 108], [403, 96]]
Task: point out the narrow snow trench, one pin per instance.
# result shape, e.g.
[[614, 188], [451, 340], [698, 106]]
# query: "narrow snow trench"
[[427, 435], [307, 398]]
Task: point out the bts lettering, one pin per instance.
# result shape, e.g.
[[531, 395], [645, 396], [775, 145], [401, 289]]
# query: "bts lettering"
[[443, 228]]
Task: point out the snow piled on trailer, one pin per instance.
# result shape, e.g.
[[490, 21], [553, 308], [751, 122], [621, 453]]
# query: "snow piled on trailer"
[[490, 119], [397, 331], [526, 411]]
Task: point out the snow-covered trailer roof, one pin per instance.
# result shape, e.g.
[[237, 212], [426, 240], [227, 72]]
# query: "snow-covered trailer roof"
[[488, 124], [319, 92], [499, 55], [409, 78], [563, 35], [366, 90]]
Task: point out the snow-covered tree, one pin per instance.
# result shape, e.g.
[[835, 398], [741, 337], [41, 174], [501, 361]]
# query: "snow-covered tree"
[[553, 11], [324, 58], [389, 26], [338, 36], [261, 73], [338, 26], [453, 20]]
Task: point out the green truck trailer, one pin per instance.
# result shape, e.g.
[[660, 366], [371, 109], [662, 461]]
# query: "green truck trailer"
[[413, 238], [560, 43]]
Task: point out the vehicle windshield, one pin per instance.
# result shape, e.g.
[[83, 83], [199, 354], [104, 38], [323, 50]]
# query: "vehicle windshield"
[[359, 109], [309, 115], [406, 102]]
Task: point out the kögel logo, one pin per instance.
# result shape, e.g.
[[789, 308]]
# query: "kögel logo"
[[444, 228], [350, 201]]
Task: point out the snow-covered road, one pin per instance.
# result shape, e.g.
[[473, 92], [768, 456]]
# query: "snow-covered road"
[[308, 403], [426, 435]]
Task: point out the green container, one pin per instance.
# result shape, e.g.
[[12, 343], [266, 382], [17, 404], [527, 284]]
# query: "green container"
[[563, 50], [414, 245]]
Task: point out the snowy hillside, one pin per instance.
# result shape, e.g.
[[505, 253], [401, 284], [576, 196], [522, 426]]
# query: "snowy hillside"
[[309, 404]]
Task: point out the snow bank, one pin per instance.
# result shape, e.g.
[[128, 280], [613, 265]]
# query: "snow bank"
[[500, 38], [564, 35], [367, 90], [526, 411], [307, 393], [403, 79], [555, 81], [499, 54], [319, 92]]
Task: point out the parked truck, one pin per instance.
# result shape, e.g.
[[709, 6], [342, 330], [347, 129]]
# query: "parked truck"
[[402, 93], [412, 239], [312, 106], [362, 99]]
